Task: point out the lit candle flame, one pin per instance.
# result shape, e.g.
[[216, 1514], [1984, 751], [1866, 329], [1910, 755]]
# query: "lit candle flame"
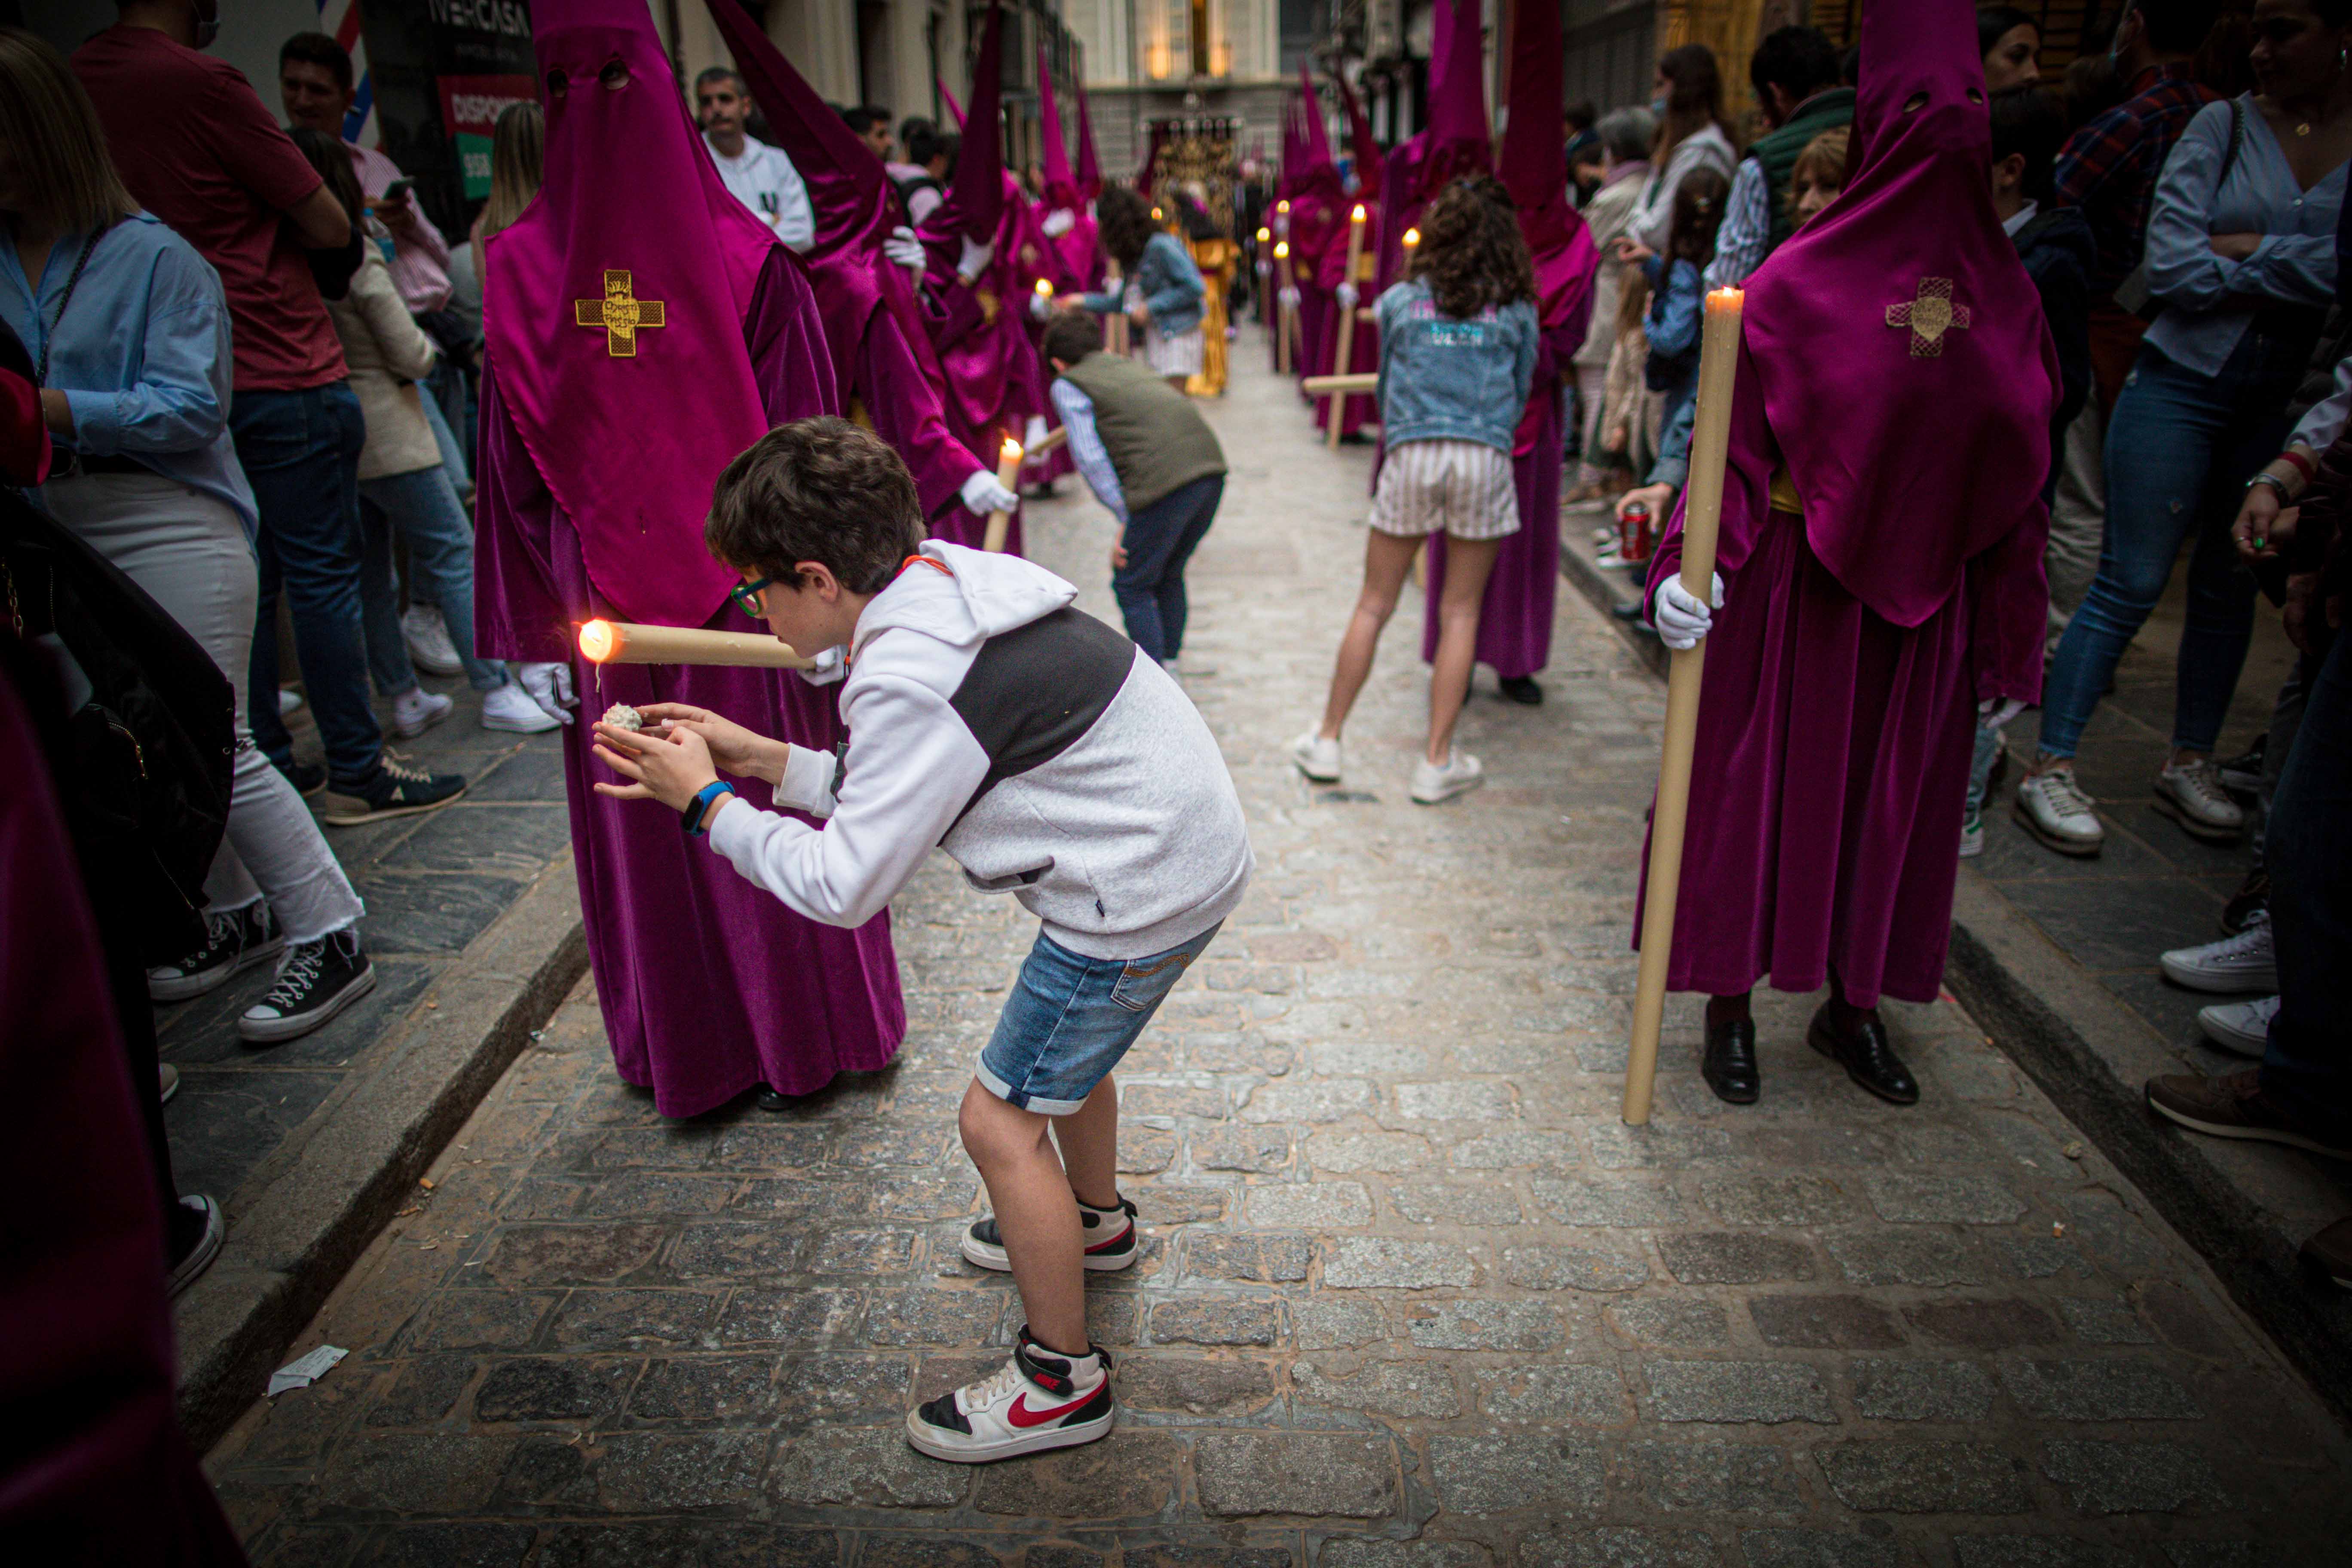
[[1046, 288], [1155, 215], [1726, 298], [597, 641], [1412, 238], [1357, 215], [1011, 451], [1264, 235], [1282, 251], [1282, 206]]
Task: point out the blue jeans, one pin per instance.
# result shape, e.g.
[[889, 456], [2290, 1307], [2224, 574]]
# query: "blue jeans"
[[426, 510], [301, 452], [1070, 1018], [2309, 1065], [2179, 450], [1159, 538], [1988, 751], [440, 391]]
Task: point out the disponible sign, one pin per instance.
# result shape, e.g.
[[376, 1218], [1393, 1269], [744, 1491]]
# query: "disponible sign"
[[470, 107]]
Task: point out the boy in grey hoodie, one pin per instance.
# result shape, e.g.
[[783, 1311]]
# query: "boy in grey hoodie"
[[1053, 760]]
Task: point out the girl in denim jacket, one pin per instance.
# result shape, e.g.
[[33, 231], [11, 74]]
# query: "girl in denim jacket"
[[1457, 355]]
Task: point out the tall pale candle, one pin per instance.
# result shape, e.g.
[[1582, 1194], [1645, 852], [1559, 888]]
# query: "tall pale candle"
[[621, 642], [1008, 474], [1710, 450], [1346, 344]]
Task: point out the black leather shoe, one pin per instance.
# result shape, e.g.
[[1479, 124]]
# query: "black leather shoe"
[[769, 1099], [1729, 1065], [1868, 1057], [1522, 688]]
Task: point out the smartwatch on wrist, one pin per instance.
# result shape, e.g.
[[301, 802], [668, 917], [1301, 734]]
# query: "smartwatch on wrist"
[[696, 817]]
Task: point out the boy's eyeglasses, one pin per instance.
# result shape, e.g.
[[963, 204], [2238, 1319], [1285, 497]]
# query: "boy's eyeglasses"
[[747, 597]]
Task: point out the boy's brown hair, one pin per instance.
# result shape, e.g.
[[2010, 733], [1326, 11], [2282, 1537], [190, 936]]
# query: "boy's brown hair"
[[816, 490], [1073, 337]]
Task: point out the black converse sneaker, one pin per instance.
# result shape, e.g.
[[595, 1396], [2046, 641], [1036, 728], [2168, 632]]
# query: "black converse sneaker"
[[397, 790], [316, 980], [1109, 1234], [1037, 1400], [233, 942]]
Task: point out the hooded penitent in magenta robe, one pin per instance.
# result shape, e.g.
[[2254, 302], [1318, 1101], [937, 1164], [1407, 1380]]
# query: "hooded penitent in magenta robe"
[[1515, 615], [599, 449], [980, 329], [1081, 244], [1861, 629], [1356, 409], [882, 362], [1457, 142], [1318, 219]]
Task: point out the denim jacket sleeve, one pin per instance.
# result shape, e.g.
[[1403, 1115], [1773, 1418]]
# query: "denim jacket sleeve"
[[1673, 321], [1175, 283]]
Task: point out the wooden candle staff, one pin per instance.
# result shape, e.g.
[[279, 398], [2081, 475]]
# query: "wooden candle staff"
[[623, 642], [1702, 515], [1008, 474], [1341, 362], [1281, 297]]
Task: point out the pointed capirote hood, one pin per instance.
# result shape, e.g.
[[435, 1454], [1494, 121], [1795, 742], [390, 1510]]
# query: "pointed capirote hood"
[[1363, 151], [1317, 148], [846, 182], [613, 311], [1457, 108], [955, 109], [1924, 439], [1533, 165], [977, 193], [1060, 186], [1441, 40], [1091, 179]]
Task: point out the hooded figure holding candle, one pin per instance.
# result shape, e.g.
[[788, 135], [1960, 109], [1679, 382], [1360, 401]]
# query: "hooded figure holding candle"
[[641, 328], [1356, 241], [1879, 570], [1515, 615]]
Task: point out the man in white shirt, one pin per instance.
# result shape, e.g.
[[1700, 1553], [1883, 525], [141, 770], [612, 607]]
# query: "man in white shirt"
[[761, 177]]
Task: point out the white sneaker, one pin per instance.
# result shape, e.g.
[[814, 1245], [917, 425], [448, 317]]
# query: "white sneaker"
[[290, 702], [167, 1082], [1971, 835], [416, 711], [510, 707], [1109, 1236], [429, 647], [1037, 1400], [2191, 794], [2241, 1028], [2241, 963], [2054, 809], [549, 686], [1317, 758], [1461, 775]]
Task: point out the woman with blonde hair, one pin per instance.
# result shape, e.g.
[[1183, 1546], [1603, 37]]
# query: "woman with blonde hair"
[[1692, 134]]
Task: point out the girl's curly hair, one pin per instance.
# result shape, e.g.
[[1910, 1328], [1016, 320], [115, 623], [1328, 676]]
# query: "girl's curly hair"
[[1471, 249], [1123, 218]]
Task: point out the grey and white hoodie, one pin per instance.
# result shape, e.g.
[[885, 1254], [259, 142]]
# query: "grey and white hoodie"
[[1039, 748]]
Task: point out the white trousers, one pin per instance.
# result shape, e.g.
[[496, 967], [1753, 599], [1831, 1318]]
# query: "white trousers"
[[188, 550]]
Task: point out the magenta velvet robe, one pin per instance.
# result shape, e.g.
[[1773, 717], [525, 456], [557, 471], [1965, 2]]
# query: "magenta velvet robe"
[[709, 986]]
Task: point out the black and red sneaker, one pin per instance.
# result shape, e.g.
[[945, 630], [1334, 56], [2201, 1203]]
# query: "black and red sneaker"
[[1112, 1242], [1037, 1400]]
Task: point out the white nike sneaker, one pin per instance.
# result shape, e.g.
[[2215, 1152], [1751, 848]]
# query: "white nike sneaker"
[[1035, 1401], [1317, 758], [1110, 1235], [1433, 783]]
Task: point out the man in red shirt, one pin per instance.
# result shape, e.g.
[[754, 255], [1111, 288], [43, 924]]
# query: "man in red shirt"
[[199, 151]]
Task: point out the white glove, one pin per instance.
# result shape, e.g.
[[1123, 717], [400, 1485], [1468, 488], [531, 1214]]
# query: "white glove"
[[1059, 223], [1040, 305], [974, 260], [1033, 435], [830, 666], [1995, 711], [981, 494], [1346, 294], [1290, 297], [904, 248], [1281, 225], [1682, 620], [807, 784], [549, 686]]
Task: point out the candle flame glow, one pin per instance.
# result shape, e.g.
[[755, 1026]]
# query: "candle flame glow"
[[1282, 250], [1046, 287], [1264, 235], [1412, 238], [1357, 215], [597, 641], [1726, 298], [1282, 206], [1012, 449]]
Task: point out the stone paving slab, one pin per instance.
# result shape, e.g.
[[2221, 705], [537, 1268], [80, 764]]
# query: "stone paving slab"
[[1411, 1294], [473, 925]]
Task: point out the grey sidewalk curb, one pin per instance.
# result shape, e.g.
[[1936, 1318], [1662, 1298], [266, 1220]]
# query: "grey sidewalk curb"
[[322, 1198], [2092, 1056]]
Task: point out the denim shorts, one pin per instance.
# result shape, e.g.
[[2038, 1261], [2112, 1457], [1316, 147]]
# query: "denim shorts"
[[1070, 1019]]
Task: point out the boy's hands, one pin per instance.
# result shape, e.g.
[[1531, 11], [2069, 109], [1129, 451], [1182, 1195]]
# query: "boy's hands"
[[732, 749], [670, 767]]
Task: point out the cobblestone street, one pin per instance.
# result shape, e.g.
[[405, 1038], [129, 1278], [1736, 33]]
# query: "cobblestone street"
[[1413, 1296]]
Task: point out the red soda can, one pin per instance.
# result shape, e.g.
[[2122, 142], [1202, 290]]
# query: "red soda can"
[[1636, 538]]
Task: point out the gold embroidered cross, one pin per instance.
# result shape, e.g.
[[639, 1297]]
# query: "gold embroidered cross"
[[1929, 316], [620, 313]]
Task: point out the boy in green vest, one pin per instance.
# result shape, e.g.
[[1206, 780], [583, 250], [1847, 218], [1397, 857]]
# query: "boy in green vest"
[[1151, 459]]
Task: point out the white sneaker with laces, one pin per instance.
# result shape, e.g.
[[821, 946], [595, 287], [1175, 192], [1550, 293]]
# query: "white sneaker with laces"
[[417, 710], [1109, 1234], [1035, 1401], [2054, 809], [2241, 964], [1461, 775], [1316, 757], [2241, 1028], [2191, 794], [510, 709], [428, 637], [549, 686]]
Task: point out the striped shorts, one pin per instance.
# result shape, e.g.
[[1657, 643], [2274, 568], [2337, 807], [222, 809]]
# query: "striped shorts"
[[1178, 355], [1463, 488]]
